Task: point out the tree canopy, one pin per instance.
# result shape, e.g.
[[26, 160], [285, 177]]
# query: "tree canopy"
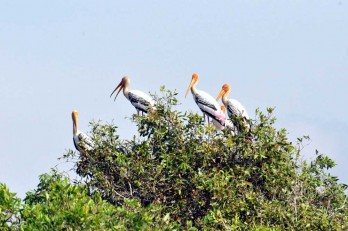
[[180, 174]]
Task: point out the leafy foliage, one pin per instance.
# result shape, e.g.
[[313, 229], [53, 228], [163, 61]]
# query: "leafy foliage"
[[179, 174], [9, 209], [210, 179], [59, 205]]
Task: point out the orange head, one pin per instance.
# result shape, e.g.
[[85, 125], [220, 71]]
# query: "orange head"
[[74, 115], [223, 108], [194, 80], [125, 81], [224, 90], [195, 76], [226, 87]]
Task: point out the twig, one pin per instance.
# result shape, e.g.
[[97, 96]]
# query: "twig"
[[130, 187]]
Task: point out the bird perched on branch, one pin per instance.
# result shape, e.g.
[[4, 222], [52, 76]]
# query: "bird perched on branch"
[[234, 108], [208, 105], [82, 141], [142, 102]]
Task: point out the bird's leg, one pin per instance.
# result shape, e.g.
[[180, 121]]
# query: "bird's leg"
[[206, 116], [138, 112]]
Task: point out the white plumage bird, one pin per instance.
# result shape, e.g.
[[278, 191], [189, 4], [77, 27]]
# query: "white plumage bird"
[[82, 141], [142, 102], [234, 107], [208, 105]]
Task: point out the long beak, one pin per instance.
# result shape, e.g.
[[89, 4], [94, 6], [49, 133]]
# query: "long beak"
[[192, 82], [74, 118], [120, 85], [222, 92]]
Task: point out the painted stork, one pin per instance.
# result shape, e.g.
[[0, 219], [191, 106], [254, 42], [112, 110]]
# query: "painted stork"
[[141, 101], [234, 107], [208, 105], [82, 142]]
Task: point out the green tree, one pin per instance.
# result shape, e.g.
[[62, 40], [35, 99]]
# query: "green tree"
[[210, 179], [59, 205], [9, 209], [179, 174]]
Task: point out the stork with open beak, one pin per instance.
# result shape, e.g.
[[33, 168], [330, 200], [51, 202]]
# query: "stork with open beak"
[[234, 107], [141, 101], [208, 105], [82, 141]]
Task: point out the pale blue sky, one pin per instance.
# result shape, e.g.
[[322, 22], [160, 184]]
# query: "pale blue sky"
[[56, 56]]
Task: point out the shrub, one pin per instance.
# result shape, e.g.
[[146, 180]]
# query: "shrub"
[[9, 209], [207, 179]]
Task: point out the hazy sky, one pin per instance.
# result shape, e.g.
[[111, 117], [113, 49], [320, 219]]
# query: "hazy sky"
[[57, 56]]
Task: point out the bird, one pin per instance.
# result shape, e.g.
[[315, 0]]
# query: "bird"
[[142, 102], [234, 108], [220, 121], [219, 117], [82, 141], [228, 123], [208, 105]]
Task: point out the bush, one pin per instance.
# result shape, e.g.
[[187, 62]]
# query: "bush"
[[9, 209], [207, 179], [179, 174], [59, 205]]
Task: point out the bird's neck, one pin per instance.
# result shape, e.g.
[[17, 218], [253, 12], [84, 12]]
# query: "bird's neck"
[[224, 98], [125, 90], [75, 127], [194, 89]]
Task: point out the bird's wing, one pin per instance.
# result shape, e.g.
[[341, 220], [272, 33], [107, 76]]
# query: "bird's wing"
[[84, 141], [140, 100], [203, 99], [235, 108], [217, 115], [76, 144]]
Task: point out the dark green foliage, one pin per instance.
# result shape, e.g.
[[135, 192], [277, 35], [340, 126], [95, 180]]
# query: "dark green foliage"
[[60, 205], [179, 174], [210, 179]]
